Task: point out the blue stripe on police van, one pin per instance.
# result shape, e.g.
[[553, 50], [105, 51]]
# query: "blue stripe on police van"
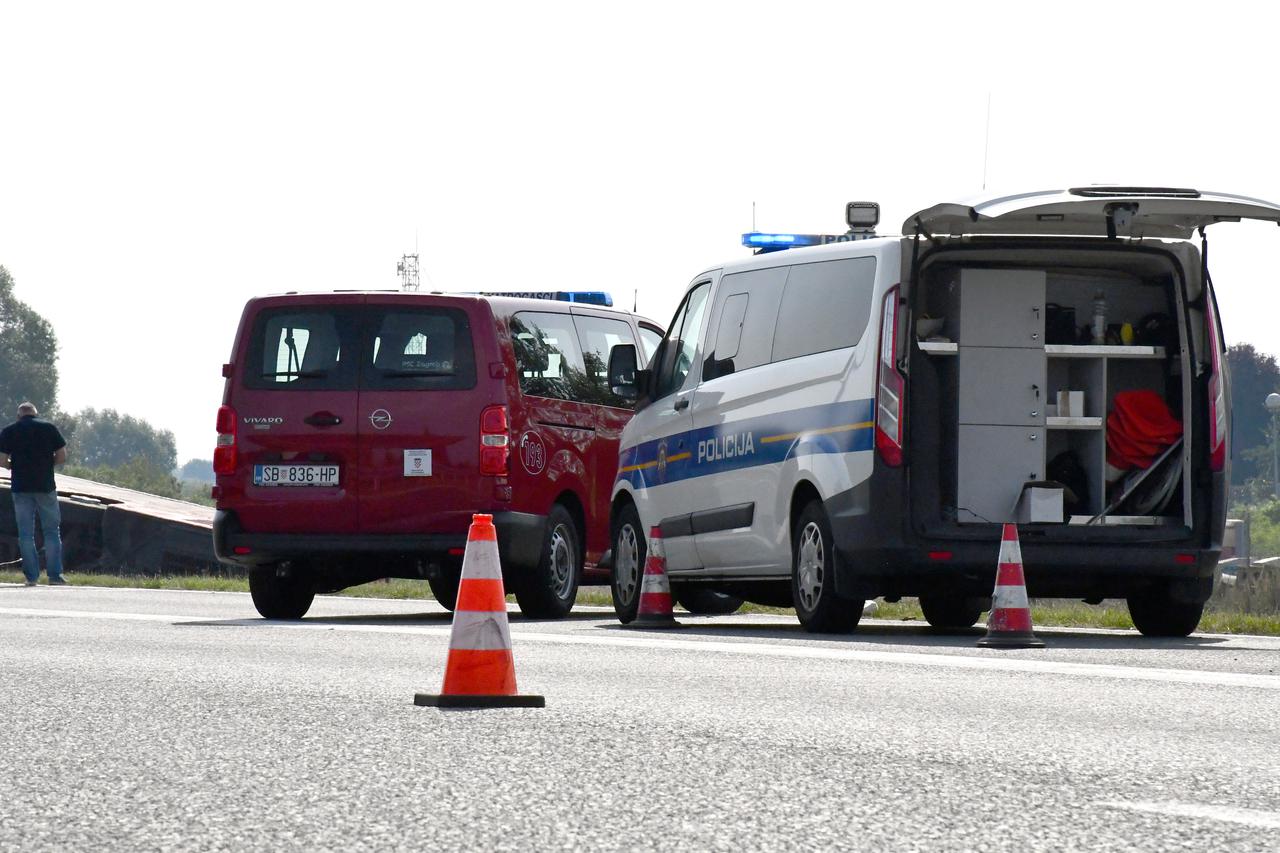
[[831, 428]]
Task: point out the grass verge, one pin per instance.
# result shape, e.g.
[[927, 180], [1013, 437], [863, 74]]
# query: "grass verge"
[[1067, 614]]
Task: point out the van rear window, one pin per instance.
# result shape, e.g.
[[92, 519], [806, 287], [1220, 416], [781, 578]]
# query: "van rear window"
[[308, 349], [428, 349], [343, 347]]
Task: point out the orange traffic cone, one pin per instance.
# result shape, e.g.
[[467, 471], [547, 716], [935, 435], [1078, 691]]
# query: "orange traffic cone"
[[480, 672], [655, 609], [1009, 625]]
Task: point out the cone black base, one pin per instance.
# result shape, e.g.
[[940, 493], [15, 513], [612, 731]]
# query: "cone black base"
[[655, 622], [464, 700], [1011, 640]]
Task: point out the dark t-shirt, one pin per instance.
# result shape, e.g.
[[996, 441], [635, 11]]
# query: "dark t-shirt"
[[30, 444]]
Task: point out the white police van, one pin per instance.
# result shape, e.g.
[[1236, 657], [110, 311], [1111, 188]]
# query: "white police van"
[[855, 418]]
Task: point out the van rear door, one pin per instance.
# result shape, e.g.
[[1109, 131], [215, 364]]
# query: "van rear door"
[[296, 416], [422, 390], [1162, 212]]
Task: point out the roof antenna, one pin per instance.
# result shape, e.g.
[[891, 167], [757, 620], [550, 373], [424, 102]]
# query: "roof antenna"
[[986, 145], [753, 216], [635, 299]]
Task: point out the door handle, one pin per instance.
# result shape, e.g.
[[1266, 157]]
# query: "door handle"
[[322, 419], [681, 405]]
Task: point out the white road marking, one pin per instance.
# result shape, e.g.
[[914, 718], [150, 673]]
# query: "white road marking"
[[614, 638], [1230, 814]]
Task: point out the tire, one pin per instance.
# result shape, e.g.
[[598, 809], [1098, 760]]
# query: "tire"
[[278, 597], [549, 590], [950, 613], [445, 587], [813, 582], [1156, 614], [630, 550], [704, 601]]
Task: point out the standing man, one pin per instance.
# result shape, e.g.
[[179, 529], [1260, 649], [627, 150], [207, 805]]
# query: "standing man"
[[30, 448]]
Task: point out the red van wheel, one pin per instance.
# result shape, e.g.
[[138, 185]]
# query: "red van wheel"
[[277, 597], [549, 590]]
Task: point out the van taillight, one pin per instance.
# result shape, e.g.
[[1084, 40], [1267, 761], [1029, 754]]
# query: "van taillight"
[[495, 441], [224, 455], [891, 404], [1217, 394]]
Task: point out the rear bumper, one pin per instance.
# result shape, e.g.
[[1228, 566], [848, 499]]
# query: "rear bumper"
[[520, 538], [881, 556]]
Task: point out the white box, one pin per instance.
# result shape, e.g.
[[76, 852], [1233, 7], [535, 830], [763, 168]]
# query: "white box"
[[1040, 503], [417, 463], [1071, 404]]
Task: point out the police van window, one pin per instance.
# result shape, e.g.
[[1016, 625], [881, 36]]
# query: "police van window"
[[677, 352], [729, 338], [302, 349], [548, 356], [825, 306], [598, 335], [745, 321], [419, 349], [649, 340]]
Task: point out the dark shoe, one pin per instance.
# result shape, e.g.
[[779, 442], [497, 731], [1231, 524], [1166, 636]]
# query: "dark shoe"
[[58, 581], [30, 583]]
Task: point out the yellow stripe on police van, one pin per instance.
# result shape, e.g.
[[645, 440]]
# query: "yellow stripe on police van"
[[791, 436], [679, 457]]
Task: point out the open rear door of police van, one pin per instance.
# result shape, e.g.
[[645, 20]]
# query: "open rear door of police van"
[[1108, 211], [1038, 338]]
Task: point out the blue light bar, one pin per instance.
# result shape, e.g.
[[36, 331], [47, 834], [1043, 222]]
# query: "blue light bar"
[[586, 297], [775, 242], [582, 297], [760, 240]]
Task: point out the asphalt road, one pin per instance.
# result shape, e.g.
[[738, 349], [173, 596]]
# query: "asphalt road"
[[156, 720]]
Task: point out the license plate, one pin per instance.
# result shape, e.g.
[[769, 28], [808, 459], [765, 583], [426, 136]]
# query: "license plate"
[[295, 475]]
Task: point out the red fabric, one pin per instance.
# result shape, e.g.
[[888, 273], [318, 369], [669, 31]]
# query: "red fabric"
[[1139, 429]]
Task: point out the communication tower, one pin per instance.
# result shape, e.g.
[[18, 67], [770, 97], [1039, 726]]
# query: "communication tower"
[[408, 272]]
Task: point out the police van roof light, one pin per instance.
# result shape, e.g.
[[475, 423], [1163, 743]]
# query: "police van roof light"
[[862, 215], [760, 240]]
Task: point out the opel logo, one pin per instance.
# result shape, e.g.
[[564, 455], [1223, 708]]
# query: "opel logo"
[[380, 418]]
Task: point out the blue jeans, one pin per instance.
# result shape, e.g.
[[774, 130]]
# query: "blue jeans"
[[26, 505]]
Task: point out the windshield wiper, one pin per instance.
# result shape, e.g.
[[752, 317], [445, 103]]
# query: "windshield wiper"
[[301, 374], [402, 374]]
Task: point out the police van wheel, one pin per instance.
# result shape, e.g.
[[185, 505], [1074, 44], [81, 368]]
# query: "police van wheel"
[[705, 602], [1157, 614], [549, 591], [630, 550], [278, 597], [950, 613], [813, 583]]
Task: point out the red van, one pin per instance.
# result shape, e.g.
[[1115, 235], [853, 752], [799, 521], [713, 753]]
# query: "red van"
[[360, 431]]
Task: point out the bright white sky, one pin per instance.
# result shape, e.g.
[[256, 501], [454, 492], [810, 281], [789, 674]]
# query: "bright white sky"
[[161, 163]]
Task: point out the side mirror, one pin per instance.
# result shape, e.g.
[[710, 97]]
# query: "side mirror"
[[622, 371]]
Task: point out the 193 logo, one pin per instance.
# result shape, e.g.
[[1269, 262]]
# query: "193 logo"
[[533, 453]]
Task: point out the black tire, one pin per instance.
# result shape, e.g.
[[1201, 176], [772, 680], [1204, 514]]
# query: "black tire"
[[950, 613], [704, 601], [813, 582], [445, 587], [549, 590], [630, 550], [278, 597], [1156, 614]]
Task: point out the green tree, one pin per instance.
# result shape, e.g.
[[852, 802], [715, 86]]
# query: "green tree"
[[109, 439], [200, 470], [28, 354], [1254, 375]]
